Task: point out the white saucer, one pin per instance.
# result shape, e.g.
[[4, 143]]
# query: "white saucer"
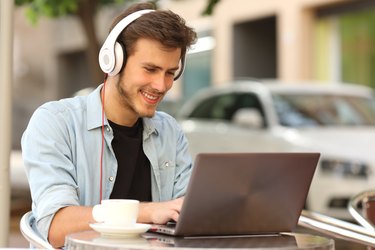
[[120, 231]]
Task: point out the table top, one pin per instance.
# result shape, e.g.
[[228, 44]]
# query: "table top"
[[93, 240]]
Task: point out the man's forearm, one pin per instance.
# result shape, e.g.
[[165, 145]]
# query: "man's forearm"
[[77, 218], [68, 220]]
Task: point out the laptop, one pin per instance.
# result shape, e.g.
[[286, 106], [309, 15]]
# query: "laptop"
[[244, 194]]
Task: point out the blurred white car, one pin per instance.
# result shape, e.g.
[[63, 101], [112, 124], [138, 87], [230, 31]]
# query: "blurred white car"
[[337, 120], [20, 190], [17, 172]]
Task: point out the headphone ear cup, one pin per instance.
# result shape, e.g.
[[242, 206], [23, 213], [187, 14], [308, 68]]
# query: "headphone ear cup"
[[120, 59]]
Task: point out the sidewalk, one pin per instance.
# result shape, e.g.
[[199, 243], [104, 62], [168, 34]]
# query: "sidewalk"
[[16, 240], [19, 206]]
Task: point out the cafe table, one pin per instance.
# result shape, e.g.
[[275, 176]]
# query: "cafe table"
[[93, 240]]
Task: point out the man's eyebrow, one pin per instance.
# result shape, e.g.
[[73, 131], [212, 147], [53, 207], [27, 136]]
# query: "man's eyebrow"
[[158, 67]]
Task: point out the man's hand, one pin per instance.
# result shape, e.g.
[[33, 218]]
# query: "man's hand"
[[160, 212]]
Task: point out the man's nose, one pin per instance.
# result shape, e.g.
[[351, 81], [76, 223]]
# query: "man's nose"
[[161, 82]]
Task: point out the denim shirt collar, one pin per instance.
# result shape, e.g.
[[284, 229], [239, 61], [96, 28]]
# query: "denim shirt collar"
[[94, 109]]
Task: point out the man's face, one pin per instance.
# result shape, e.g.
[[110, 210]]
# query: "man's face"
[[147, 76]]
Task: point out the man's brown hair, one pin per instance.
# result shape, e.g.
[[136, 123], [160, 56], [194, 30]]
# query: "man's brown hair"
[[161, 25]]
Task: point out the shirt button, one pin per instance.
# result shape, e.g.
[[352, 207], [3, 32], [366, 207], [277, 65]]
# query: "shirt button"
[[111, 178], [167, 164], [108, 129]]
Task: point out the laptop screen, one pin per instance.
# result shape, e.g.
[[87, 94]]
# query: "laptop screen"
[[246, 193]]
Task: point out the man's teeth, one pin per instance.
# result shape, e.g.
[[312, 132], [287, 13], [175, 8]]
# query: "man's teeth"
[[150, 96]]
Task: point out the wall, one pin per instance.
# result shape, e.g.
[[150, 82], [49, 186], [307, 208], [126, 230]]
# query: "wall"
[[295, 20]]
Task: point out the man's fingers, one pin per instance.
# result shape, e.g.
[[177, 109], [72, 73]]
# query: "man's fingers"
[[160, 212], [175, 216], [177, 204]]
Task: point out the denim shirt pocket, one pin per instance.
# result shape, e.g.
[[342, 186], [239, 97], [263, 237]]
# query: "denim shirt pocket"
[[167, 175]]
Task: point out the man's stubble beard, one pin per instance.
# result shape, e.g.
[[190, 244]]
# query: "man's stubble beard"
[[127, 101]]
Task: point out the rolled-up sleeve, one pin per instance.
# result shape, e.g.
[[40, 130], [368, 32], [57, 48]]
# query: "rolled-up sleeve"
[[48, 162]]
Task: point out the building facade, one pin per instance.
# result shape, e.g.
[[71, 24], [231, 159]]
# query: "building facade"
[[328, 40]]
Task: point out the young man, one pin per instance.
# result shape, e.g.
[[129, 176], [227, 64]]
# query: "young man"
[[112, 143]]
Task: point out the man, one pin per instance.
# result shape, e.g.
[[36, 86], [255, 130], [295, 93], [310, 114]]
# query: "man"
[[112, 143]]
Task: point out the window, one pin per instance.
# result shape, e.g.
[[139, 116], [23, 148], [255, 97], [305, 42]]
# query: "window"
[[223, 107], [324, 110]]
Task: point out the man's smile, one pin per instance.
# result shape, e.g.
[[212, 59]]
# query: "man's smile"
[[150, 97]]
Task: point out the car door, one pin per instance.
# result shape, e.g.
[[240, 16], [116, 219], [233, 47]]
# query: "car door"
[[210, 128]]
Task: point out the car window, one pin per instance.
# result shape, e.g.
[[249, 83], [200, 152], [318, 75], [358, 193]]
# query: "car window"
[[324, 110], [224, 106]]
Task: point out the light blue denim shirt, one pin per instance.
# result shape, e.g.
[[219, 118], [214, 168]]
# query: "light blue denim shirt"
[[61, 148]]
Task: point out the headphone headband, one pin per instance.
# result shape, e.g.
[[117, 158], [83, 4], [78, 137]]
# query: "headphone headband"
[[107, 59], [112, 55]]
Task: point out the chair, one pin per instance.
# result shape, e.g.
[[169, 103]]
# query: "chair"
[[362, 208], [30, 235]]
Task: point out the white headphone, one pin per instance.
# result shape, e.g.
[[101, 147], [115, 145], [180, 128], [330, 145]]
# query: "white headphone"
[[112, 54]]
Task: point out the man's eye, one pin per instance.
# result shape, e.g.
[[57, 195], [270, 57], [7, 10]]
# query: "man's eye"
[[151, 70]]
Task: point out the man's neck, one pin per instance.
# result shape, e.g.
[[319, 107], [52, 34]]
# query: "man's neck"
[[115, 111]]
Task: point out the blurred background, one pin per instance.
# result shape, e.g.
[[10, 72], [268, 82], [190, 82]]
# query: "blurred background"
[[289, 40], [56, 47]]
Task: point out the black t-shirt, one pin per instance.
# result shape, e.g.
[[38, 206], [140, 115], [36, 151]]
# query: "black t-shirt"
[[133, 180]]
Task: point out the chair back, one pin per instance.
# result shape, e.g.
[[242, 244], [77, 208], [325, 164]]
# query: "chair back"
[[35, 240], [362, 208]]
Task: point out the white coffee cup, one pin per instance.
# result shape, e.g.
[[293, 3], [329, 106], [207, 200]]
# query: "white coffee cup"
[[117, 212]]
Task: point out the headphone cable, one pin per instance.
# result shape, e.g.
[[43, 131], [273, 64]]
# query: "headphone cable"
[[102, 146]]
